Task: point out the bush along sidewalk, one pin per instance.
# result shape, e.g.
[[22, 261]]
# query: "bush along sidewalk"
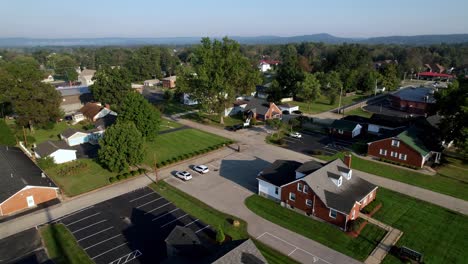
[[126, 175]]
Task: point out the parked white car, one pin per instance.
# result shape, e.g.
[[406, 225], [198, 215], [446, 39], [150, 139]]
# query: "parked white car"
[[201, 169], [184, 175], [295, 135]]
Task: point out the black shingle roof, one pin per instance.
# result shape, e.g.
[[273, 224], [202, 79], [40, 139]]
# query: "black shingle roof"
[[280, 172], [258, 106], [18, 171], [46, 148], [309, 167]]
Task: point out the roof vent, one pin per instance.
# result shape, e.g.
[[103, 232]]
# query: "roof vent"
[[43, 175]]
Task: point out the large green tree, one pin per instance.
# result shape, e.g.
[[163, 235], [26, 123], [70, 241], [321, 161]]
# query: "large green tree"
[[331, 85], [65, 67], [135, 108], [390, 78], [309, 89], [289, 71], [111, 86], [121, 147], [145, 63], [220, 74]]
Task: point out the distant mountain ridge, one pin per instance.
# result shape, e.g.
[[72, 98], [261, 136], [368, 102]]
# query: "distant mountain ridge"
[[322, 37]]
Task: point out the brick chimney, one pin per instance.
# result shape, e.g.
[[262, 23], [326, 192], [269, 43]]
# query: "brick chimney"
[[347, 160]]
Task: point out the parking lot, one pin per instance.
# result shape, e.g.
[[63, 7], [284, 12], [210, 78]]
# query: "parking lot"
[[310, 142], [130, 228]]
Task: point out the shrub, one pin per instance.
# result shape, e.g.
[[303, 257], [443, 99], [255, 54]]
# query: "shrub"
[[31, 139], [220, 237], [143, 170], [125, 175], [163, 163], [370, 207], [111, 179], [175, 159], [134, 173], [355, 224], [46, 163], [72, 168], [119, 177]]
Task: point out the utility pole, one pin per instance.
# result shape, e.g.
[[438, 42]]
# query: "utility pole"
[[156, 176], [24, 136], [339, 103], [375, 89]]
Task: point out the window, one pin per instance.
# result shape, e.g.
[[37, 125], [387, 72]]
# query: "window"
[[395, 143], [333, 213], [276, 190], [340, 180], [365, 200], [370, 195], [292, 196], [383, 152], [353, 214], [308, 202], [299, 187], [402, 156], [340, 131], [306, 189], [394, 154]]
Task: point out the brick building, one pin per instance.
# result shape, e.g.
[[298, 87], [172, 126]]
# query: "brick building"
[[23, 184], [414, 100], [331, 191], [345, 129]]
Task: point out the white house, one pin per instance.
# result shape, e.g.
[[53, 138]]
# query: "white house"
[[152, 82], [188, 101], [237, 106], [86, 77], [74, 137], [288, 107], [48, 79], [264, 66], [58, 150]]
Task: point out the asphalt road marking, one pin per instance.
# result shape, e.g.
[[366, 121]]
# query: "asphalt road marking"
[[127, 258], [84, 218], [77, 212], [150, 202], [141, 196], [202, 229], [94, 234], [170, 222], [105, 240], [165, 214], [159, 207], [76, 231], [105, 252], [191, 223]]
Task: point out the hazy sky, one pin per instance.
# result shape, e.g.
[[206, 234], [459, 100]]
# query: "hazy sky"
[[172, 18]]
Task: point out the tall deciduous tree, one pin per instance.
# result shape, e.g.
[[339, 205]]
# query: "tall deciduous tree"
[[65, 66], [121, 147], [135, 108], [309, 89], [390, 78], [221, 73], [145, 63], [331, 84], [111, 86], [289, 72]]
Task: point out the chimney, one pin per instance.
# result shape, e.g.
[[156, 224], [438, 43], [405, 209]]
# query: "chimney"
[[347, 160], [107, 106]]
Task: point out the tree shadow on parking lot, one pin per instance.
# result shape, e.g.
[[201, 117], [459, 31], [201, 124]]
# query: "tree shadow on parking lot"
[[243, 172]]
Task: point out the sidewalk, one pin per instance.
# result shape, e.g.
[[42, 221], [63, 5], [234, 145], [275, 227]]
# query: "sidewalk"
[[389, 240]]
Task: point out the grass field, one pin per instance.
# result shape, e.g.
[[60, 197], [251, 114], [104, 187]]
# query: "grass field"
[[7, 137], [323, 104], [62, 246], [215, 218], [168, 124], [326, 234], [170, 108], [359, 112], [436, 232], [213, 119], [180, 142], [42, 135], [453, 183], [93, 176]]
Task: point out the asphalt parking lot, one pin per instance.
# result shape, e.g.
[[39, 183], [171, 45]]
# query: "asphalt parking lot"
[[24, 247], [311, 141], [130, 228]]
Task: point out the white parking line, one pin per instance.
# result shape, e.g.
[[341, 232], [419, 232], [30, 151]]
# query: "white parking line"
[[191, 223], [103, 241], [202, 229], [88, 226], [159, 207], [77, 212], [141, 196], [150, 202], [94, 234], [109, 250], [166, 224], [165, 214], [84, 218]]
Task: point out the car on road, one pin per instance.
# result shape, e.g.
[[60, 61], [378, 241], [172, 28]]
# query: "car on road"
[[235, 127], [295, 135], [184, 175], [201, 169]]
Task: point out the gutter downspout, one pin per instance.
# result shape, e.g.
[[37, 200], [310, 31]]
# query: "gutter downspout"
[[313, 207], [346, 223]]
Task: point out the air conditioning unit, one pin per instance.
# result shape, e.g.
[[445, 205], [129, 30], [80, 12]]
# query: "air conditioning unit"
[[283, 204]]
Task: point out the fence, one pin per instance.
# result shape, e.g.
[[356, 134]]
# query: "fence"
[[359, 104]]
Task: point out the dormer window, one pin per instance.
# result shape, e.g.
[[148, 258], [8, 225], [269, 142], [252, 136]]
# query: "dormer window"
[[335, 178], [395, 143], [345, 172]]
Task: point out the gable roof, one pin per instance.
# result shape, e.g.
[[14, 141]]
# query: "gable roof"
[[170, 78], [280, 172], [105, 122], [18, 171], [411, 138], [70, 132], [309, 167], [46, 148], [87, 72], [343, 197], [77, 90], [344, 125], [90, 110], [246, 252], [182, 236], [258, 106]]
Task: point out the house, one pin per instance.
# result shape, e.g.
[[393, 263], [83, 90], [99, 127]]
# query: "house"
[[345, 129], [414, 100], [86, 77], [74, 97], [48, 79], [288, 107], [434, 67], [266, 65], [262, 91], [379, 124], [151, 83], [24, 185], [262, 110], [58, 150], [137, 87], [246, 252], [186, 100], [169, 82], [332, 192], [435, 76], [409, 148], [74, 137], [183, 241], [238, 106], [94, 111]]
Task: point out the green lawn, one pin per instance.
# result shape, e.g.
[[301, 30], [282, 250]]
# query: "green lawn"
[[6, 135], [213, 119], [216, 218], [326, 234], [180, 142], [455, 185], [454, 168], [93, 176], [61, 246], [323, 104], [170, 108], [168, 124], [359, 112], [440, 234], [42, 135]]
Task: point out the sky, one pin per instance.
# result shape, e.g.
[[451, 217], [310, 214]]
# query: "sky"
[[196, 18]]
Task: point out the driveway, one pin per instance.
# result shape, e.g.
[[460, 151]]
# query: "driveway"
[[312, 141]]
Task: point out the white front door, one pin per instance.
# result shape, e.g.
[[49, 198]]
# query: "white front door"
[[30, 200]]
